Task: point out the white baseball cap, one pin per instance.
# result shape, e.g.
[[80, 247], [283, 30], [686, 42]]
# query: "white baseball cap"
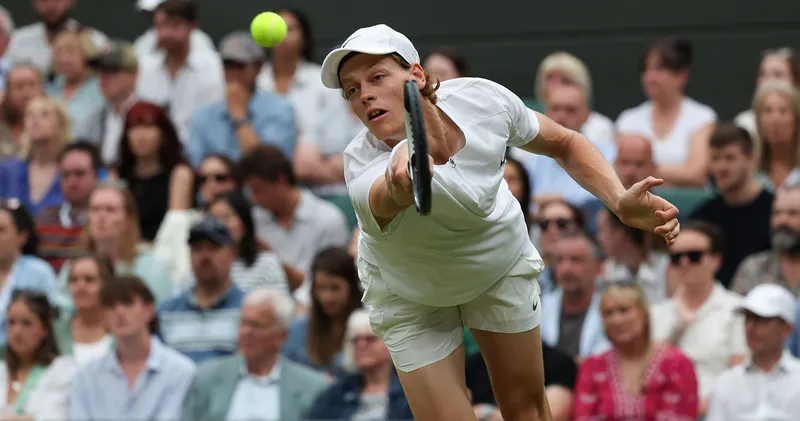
[[374, 40], [149, 5], [770, 300]]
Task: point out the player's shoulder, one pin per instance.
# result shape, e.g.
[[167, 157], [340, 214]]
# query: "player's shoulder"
[[469, 85]]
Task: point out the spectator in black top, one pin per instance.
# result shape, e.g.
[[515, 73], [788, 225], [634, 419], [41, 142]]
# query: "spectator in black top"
[[560, 374], [742, 209], [152, 164]]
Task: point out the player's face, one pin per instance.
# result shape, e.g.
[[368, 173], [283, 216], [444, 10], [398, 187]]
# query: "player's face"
[[730, 167], [374, 87]]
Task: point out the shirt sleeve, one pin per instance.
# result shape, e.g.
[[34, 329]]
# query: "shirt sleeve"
[[78, 407], [522, 121]]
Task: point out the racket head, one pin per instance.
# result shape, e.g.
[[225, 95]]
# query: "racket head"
[[418, 166]]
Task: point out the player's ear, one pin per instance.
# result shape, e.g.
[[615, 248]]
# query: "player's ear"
[[419, 75]]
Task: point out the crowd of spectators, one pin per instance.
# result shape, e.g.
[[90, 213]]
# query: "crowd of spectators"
[[176, 240]]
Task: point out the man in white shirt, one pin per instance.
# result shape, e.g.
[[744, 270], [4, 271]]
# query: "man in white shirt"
[[146, 45], [182, 78], [293, 221], [764, 388]]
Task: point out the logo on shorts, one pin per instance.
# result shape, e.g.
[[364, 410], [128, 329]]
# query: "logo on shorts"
[[535, 304]]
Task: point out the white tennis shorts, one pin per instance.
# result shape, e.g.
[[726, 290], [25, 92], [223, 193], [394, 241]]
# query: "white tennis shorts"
[[418, 335]]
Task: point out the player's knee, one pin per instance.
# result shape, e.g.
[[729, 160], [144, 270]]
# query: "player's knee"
[[525, 401]]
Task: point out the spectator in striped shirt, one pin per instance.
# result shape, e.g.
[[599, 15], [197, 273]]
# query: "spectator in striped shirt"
[[253, 268], [60, 228], [202, 323]]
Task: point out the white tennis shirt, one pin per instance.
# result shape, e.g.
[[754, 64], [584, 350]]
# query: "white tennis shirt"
[[476, 231]]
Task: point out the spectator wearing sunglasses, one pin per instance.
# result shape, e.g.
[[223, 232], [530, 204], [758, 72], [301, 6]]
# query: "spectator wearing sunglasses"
[[20, 268], [216, 175], [700, 318], [34, 380], [554, 220]]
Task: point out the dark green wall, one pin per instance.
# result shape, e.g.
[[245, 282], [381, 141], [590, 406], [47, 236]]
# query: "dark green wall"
[[506, 40]]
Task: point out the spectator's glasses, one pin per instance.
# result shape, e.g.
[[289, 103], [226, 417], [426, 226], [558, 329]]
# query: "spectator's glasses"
[[367, 339], [218, 178], [694, 256], [560, 223]]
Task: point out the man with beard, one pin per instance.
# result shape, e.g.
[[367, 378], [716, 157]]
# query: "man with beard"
[[202, 322], [32, 43], [781, 264], [742, 208]]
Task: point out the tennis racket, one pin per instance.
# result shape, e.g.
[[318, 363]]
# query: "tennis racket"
[[418, 166]]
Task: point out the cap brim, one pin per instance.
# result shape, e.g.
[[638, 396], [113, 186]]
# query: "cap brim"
[[330, 67], [759, 311]]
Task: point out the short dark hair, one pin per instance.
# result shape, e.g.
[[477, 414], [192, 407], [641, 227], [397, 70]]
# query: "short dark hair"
[[729, 134], [23, 221], [268, 163], [594, 248], [87, 147], [124, 290], [182, 9], [716, 237], [675, 53]]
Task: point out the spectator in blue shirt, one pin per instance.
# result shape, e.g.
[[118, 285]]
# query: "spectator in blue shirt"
[[34, 179], [203, 322], [19, 266], [154, 381], [247, 117]]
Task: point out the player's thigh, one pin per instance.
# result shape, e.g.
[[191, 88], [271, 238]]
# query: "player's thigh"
[[426, 348], [504, 321]]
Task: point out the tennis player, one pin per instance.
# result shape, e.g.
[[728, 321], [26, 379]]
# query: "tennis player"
[[470, 261]]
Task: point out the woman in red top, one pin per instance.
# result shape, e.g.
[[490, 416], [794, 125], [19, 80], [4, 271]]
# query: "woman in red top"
[[636, 380]]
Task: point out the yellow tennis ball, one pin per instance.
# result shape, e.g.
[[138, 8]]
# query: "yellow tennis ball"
[[268, 29]]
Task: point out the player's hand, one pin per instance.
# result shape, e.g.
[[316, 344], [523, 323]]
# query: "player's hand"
[[398, 180], [639, 208]]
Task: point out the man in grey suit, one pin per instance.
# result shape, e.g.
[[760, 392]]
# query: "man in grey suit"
[[256, 383]]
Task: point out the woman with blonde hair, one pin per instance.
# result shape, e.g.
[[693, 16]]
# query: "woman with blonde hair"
[[637, 379], [112, 231], [777, 110], [34, 179], [75, 83], [776, 64], [562, 68]]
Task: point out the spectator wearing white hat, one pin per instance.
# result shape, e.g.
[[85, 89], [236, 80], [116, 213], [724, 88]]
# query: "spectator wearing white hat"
[[764, 388]]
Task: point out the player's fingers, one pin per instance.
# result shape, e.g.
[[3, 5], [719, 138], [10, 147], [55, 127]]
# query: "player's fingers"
[[667, 228], [645, 185], [668, 214], [430, 164]]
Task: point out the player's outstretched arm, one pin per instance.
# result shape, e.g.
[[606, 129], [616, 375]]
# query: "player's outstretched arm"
[[580, 158], [636, 206]]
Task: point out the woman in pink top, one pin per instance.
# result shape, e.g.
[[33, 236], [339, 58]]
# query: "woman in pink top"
[[636, 380]]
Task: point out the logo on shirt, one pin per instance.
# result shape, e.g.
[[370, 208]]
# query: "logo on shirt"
[[503, 162]]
